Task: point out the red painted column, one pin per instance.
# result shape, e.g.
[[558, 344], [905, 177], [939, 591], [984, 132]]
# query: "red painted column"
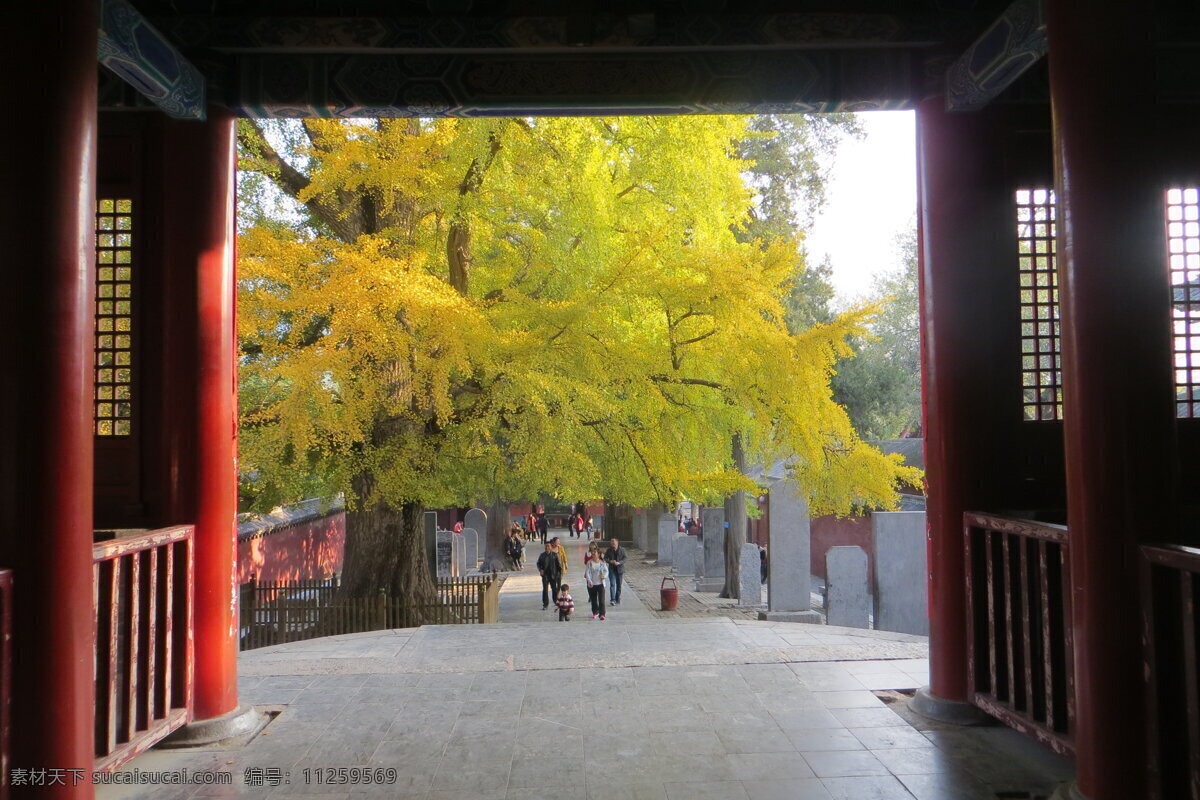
[[1117, 372], [199, 234], [47, 215], [968, 265]]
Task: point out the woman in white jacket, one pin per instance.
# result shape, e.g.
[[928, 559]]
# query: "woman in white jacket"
[[595, 572]]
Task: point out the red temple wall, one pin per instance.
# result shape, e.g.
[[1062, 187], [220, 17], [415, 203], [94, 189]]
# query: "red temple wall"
[[758, 531], [309, 549], [830, 532]]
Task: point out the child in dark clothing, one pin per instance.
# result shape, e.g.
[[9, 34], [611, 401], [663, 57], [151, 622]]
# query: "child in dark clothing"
[[565, 603]]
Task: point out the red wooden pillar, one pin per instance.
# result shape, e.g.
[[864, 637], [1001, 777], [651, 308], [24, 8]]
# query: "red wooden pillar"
[[1117, 374], [198, 233], [47, 215], [968, 332]]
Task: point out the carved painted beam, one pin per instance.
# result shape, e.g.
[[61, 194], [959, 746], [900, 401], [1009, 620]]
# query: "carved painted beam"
[[614, 31], [1011, 45], [133, 49], [582, 82]]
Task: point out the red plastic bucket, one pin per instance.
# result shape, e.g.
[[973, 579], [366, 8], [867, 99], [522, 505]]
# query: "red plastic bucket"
[[670, 597]]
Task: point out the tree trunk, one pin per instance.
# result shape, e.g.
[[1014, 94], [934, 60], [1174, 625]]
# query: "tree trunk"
[[385, 550], [494, 557], [618, 521], [735, 534]]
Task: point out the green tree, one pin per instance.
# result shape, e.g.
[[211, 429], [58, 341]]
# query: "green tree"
[[880, 386], [503, 308], [788, 158]]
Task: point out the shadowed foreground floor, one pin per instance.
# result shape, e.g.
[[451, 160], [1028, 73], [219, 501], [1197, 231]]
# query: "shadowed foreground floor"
[[616, 710]]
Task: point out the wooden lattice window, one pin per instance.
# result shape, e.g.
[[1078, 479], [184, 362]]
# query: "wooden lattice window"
[[114, 317], [1041, 351], [1183, 253]]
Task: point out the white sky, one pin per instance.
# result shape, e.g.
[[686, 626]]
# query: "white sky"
[[871, 197]]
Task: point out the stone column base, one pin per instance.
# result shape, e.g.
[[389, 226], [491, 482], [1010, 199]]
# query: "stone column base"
[[241, 721], [952, 712], [1067, 791], [811, 617], [710, 585]]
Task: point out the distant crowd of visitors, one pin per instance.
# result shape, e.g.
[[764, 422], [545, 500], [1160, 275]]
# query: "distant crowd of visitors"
[[536, 525]]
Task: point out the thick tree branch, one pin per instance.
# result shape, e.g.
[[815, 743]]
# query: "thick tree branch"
[[691, 312], [695, 339], [293, 182], [458, 239], [645, 464], [310, 334], [688, 381]]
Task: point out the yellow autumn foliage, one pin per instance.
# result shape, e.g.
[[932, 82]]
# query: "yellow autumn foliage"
[[607, 334]]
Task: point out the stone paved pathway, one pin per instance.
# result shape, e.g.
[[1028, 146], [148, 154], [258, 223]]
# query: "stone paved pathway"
[[521, 595], [634, 708], [646, 576]]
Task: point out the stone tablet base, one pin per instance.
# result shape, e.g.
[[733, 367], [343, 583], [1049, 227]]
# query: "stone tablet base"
[[242, 721], [710, 585], [811, 617], [952, 712]]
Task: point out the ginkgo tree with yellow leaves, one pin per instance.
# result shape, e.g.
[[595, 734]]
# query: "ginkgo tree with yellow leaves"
[[499, 309]]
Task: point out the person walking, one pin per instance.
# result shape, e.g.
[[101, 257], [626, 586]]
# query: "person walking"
[[562, 553], [543, 526], [596, 575], [614, 556], [550, 568], [515, 549]]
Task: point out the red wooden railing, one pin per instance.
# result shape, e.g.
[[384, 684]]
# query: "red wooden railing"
[[143, 603], [1020, 661], [1170, 588], [6, 599]]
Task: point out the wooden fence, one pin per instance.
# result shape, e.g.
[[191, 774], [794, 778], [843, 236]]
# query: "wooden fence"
[[291, 611], [6, 603], [1020, 659], [1170, 587], [142, 597]]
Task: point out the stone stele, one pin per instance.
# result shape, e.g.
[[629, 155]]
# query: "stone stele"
[[470, 538], [847, 602], [749, 578], [667, 527], [789, 557], [682, 559]]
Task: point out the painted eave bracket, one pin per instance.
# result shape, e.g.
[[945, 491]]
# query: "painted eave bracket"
[[1011, 45], [133, 49]]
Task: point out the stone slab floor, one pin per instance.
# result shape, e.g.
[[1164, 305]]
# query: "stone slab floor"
[[632, 708]]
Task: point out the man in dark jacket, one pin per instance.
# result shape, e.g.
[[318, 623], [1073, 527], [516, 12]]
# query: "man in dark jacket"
[[615, 556], [550, 568]]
